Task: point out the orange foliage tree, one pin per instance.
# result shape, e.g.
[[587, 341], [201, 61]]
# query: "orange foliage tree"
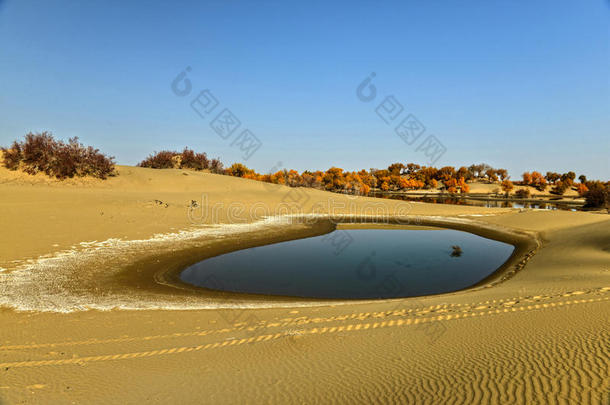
[[507, 186], [333, 179], [538, 181], [582, 189]]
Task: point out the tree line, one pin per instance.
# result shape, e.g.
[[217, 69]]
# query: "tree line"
[[40, 152], [396, 177]]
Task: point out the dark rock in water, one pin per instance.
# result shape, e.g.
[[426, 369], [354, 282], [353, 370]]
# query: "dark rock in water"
[[457, 251]]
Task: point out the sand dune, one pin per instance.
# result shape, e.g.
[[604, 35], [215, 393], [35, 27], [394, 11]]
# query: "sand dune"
[[537, 332]]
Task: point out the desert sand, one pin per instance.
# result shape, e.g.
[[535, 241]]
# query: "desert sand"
[[92, 311]]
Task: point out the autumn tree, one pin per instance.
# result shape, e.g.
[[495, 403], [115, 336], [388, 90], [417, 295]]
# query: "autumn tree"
[[445, 173], [561, 187], [582, 189], [478, 170], [396, 169], [491, 175], [464, 172], [406, 184], [333, 179], [239, 170], [568, 175], [318, 176], [381, 176], [293, 178], [527, 178], [502, 173], [507, 186], [538, 181], [412, 168], [426, 174], [582, 178], [451, 186], [473, 170], [552, 177], [464, 188], [367, 178]]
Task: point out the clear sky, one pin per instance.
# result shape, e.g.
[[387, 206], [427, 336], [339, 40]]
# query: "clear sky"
[[523, 85]]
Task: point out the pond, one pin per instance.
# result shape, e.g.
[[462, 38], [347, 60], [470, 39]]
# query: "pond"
[[356, 264]]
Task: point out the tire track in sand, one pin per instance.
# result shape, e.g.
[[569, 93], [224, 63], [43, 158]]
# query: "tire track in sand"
[[448, 309], [313, 331]]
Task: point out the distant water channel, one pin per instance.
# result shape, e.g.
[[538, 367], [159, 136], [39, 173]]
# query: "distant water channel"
[[490, 203]]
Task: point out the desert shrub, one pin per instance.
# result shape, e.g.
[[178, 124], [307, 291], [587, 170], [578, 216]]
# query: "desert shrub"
[[11, 157], [42, 153], [216, 166], [38, 152], [97, 164], [598, 195], [188, 159], [192, 160], [523, 193], [160, 160]]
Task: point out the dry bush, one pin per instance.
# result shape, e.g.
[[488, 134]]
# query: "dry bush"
[[188, 159], [13, 156], [216, 166], [192, 160], [159, 160], [522, 193], [560, 187], [40, 152]]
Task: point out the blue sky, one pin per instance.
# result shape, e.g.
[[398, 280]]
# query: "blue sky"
[[521, 85]]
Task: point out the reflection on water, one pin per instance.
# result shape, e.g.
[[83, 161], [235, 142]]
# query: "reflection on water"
[[479, 203], [377, 263]]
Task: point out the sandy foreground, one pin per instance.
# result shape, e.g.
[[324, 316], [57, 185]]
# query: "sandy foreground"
[[92, 311]]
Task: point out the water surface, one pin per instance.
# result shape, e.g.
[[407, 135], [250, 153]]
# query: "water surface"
[[489, 203], [356, 263]]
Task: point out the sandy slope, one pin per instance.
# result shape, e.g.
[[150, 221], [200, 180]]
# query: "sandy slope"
[[540, 336]]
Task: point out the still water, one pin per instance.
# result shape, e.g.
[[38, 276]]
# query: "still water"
[[482, 203], [357, 264]]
